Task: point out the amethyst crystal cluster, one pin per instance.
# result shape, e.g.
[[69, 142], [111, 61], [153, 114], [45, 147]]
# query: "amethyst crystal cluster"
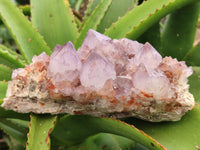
[[115, 78]]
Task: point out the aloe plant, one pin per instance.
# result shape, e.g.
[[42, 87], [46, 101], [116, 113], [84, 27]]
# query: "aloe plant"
[[52, 22]]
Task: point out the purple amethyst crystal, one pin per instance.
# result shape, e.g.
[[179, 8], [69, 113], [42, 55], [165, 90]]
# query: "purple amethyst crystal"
[[96, 71], [148, 56], [153, 82], [64, 68], [64, 64], [105, 77]]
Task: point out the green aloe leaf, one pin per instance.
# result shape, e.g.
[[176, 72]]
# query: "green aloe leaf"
[[14, 129], [193, 56], [54, 20], [105, 141], [3, 88], [93, 20], [72, 3], [74, 129], [194, 82], [25, 9], [78, 5], [92, 4], [39, 133], [13, 115], [141, 18], [5, 73], [10, 58], [179, 31], [139, 147], [12, 143], [24, 124], [78, 22], [29, 41], [113, 13], [180, 135]]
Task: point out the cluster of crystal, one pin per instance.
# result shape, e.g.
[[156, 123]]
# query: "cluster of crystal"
[[115, 78]]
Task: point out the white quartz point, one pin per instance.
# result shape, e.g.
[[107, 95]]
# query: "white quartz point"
[[152, 83], [148, 55], [96, 71], [64, 64]]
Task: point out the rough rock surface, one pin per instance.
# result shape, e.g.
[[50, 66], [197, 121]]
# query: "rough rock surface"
[[115, 78]]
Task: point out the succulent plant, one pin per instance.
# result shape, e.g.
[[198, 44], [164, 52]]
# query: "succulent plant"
[[169, 25]]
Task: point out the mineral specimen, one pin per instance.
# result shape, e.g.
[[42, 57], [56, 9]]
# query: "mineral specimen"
[[114, 78]]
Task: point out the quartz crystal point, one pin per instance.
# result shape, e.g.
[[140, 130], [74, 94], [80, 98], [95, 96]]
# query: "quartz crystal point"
[[64, 68], [96, 71], [149, 56], [114, 78]]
